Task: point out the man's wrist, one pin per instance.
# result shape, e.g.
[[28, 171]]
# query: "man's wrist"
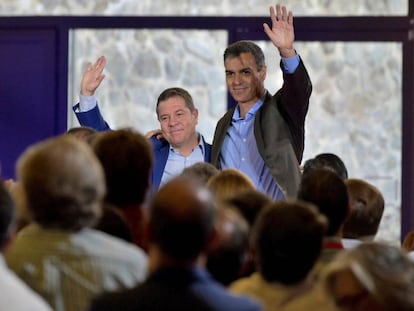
[[287, 53], [87, 93], [87, 103]]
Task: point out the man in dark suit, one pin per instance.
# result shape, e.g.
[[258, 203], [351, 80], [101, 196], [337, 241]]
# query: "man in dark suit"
[[181, 230], [181, 145], [263, 135]]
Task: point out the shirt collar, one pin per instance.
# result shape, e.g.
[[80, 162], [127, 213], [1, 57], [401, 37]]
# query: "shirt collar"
[[252, 111]]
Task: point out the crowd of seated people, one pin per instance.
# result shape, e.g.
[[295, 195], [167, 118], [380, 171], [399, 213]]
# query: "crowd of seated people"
[[92, 235], [208, 239]]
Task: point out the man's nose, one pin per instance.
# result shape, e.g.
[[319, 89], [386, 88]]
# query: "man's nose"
[[172, 121], [237, 79]]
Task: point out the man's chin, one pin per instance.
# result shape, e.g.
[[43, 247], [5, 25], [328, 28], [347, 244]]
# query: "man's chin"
[[176, 142], [238, 98]]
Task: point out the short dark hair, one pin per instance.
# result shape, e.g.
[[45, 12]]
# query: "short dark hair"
[[367, 207], [326, 160], [227, 258], [328, 192], [7, 215], [126, 157], [181, 218], [244, 46], [176, 92], [63, 183], [249, 203], [280, 228]]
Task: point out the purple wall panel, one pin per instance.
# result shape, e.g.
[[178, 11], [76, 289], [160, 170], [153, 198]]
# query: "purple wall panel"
[[27, 92]]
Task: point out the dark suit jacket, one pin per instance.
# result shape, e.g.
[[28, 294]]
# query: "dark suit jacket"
[[279, 129], [160, 148], [175, 289]]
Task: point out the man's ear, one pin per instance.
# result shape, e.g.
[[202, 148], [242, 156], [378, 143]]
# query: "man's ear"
[[195, 114], [263, 72]]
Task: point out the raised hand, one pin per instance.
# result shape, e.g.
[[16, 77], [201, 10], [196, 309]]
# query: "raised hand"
[[93, 76], [282, 32]]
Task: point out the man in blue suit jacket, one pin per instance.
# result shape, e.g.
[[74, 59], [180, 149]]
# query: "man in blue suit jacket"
[[181, 228], [181, 145]]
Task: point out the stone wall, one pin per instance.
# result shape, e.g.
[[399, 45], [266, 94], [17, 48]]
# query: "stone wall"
[[200, 7]]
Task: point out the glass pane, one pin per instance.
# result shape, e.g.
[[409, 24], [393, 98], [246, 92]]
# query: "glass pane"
[[142, 63], [201, 7]]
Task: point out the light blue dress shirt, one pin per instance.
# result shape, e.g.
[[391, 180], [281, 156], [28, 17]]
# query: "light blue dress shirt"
[[176, 162]]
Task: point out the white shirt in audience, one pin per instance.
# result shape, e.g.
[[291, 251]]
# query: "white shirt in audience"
[[16, 295]]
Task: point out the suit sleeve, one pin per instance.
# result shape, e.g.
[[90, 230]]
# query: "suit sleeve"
[[92, 118]]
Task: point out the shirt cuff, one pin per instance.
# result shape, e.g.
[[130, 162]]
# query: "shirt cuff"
[[290, 63], [87, 103]]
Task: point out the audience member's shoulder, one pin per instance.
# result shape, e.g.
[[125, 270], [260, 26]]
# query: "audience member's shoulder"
[[221, 299], [243, 284], [125, 300], [18, 295], [107, 246], [313, 299]]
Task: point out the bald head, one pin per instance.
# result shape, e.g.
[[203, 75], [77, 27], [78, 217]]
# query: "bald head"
[[182, 216]]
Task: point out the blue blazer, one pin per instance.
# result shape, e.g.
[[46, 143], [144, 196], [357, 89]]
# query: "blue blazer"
[[160, 147]]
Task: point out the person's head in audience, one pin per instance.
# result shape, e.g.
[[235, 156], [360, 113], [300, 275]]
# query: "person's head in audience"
[[181, 231], [82, 132], [178, 118], [113, 222], [127, 159], [367, 207], [227, 256], [181, 223], [62, 182], [328, 192], [7, 216], [229, 182], [287, 238], [202, 171], [329, 161], [249, 203], [70, 262], [371, 276]]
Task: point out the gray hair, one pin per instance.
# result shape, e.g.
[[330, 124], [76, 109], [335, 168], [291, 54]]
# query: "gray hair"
[[385, 271]]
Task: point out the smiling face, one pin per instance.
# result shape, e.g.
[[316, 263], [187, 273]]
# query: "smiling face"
[[244, 81], [178, 122]]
